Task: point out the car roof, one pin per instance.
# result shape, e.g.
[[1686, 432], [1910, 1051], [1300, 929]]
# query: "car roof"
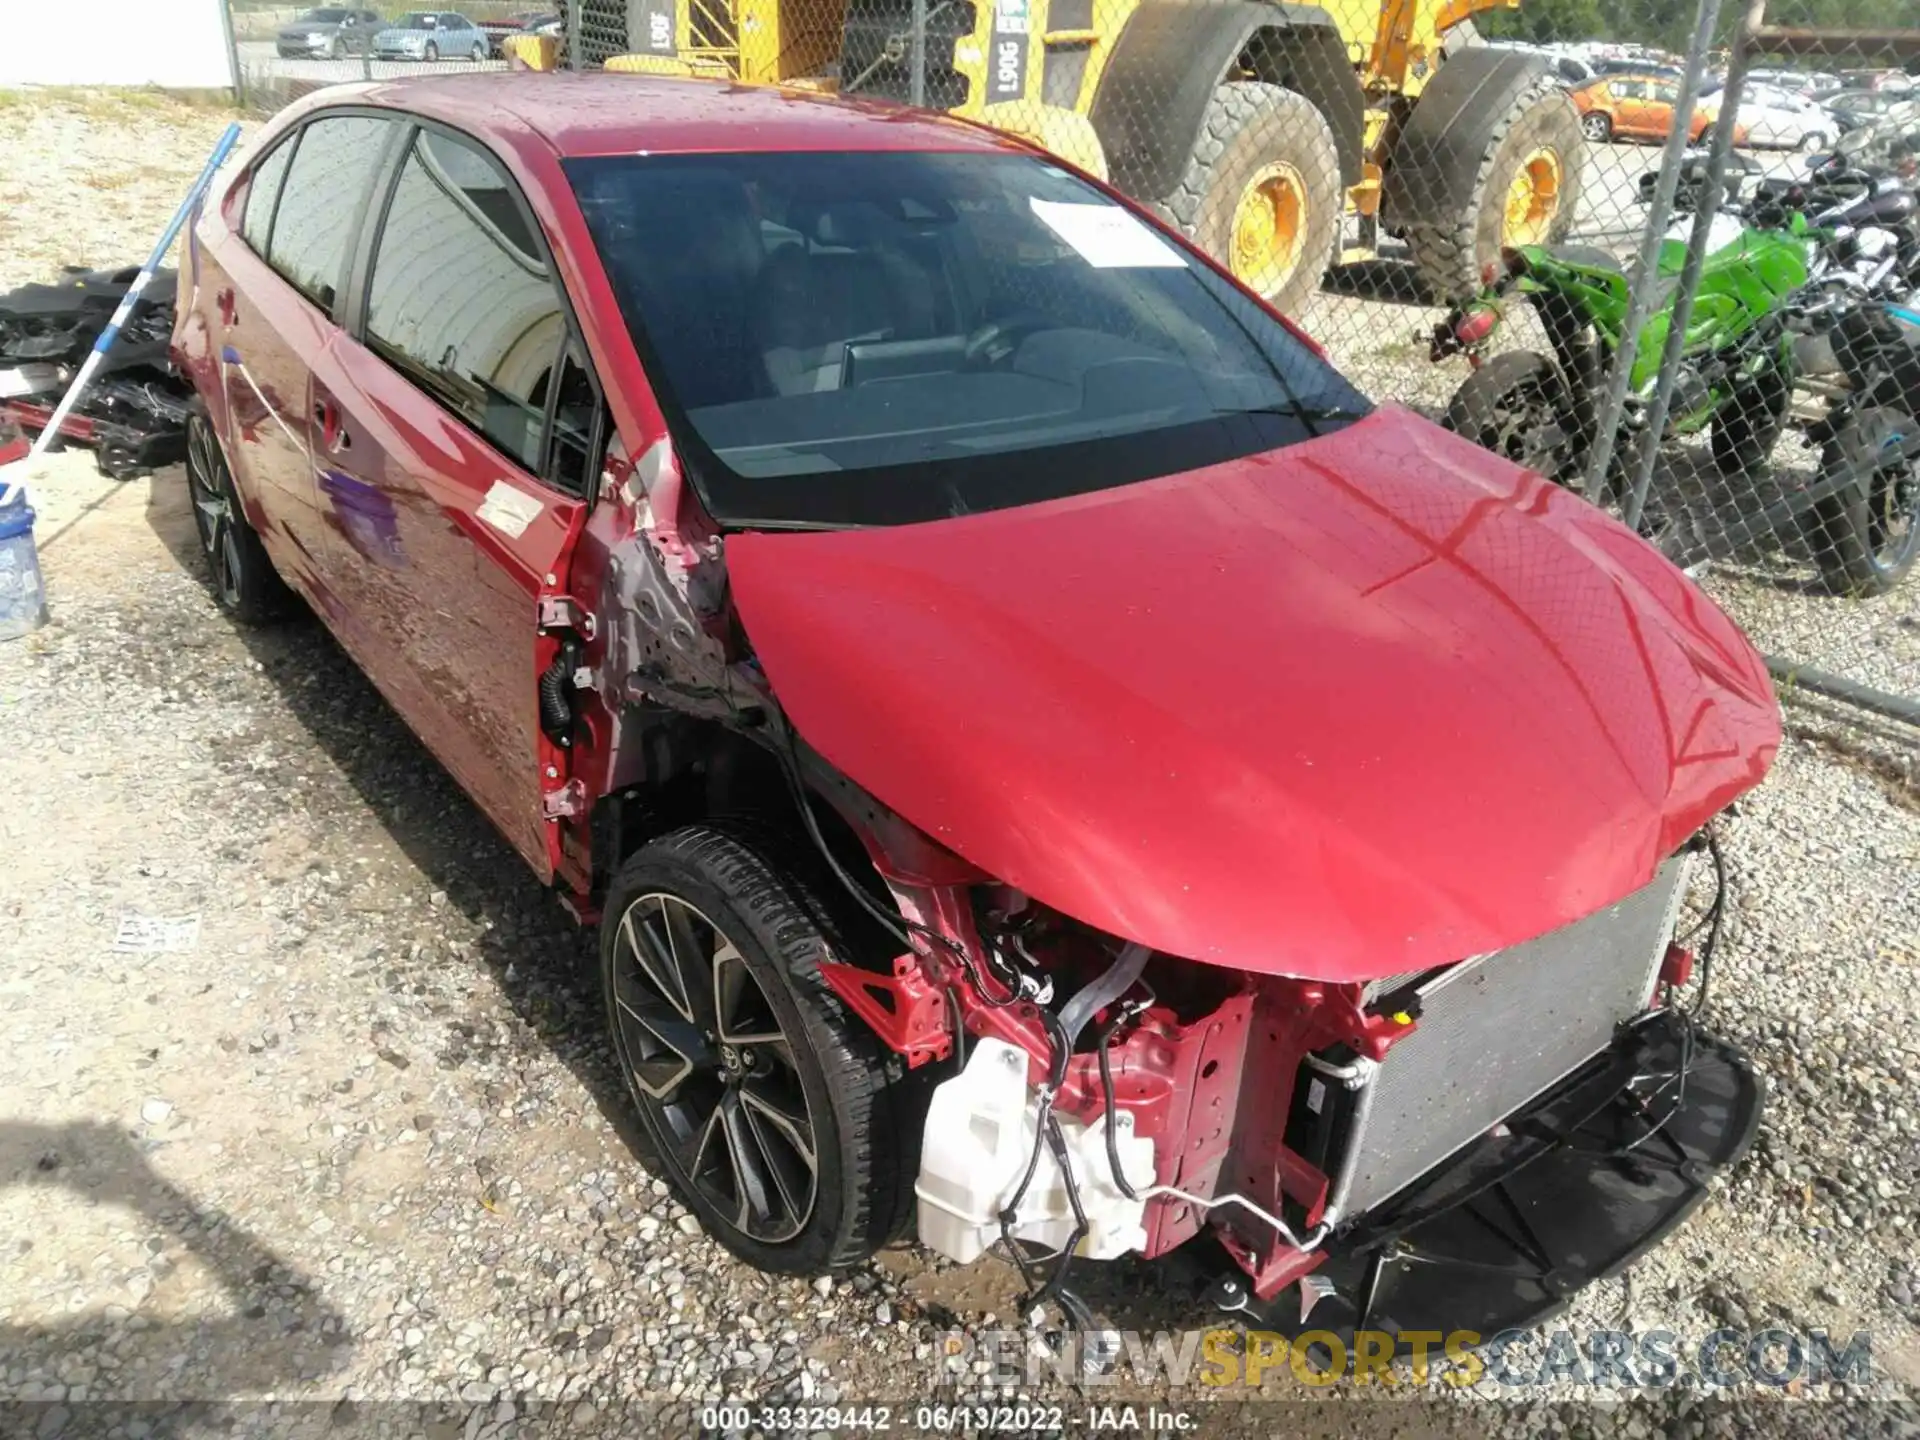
[[598, 113]]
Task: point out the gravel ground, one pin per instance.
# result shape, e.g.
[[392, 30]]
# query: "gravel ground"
[[359, 1142]]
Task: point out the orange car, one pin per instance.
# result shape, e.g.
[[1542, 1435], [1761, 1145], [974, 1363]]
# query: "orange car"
[[1636, 107]]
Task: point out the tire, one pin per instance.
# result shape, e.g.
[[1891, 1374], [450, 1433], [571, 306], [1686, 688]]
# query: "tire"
[[337, 50], [837, 1084], [1259, 141], [1747, 427], [243, 579], [1597, 126], [479, 53], [1506, 405], [1866, 537], [1812, 142], [431, 53], [1538, 135]]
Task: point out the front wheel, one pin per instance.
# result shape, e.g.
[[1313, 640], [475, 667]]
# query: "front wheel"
[[1505, 176], [1596, 127], [1517, 405], [1748, 425], [337, 50], [777, 1116], [1261, 192], [1866, 535], [431, 53], [479, 53], [1812, 142]]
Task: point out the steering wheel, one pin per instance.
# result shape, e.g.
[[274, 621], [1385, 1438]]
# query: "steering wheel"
[[995, 342]]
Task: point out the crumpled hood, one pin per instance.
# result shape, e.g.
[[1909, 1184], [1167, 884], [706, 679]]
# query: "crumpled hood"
[[1370, 703]]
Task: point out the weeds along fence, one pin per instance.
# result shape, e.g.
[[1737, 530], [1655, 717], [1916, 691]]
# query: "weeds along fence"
[[1586, 235]]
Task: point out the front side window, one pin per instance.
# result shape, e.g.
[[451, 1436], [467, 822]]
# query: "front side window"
[[263, 192], [461, 299], [325, 189], [880, 337]]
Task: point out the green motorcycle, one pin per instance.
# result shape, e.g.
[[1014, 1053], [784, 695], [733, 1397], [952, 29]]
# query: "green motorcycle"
[[1736, 365]]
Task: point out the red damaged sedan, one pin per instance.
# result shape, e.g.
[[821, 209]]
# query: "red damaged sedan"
[[1050, 762]]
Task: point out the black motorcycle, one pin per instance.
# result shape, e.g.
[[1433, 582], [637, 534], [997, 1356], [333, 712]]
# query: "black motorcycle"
[[1865, 528]]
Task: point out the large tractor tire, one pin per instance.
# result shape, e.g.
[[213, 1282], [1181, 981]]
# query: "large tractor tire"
[[1490, 158], [1261, 191]]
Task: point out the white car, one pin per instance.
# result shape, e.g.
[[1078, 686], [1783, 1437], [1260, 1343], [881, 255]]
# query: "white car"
[[1777, 118]]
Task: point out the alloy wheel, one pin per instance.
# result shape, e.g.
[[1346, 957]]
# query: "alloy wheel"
[[213, 515], [1893, 517], [705, 1053], [1527, 430]]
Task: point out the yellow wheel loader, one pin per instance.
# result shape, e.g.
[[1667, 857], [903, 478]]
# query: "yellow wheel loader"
[[1256, 127]]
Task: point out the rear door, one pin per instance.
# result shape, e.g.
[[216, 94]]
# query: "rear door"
[[452, 469], [1662, 97], [1633, 114], [277, 317]]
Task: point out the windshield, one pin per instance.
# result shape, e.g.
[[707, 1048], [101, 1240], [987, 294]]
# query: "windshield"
[[419, 20], [321, 17], [880, 337]]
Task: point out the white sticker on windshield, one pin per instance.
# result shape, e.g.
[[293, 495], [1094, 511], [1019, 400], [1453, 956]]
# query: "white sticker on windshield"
[[1107, 237], [508, 510]]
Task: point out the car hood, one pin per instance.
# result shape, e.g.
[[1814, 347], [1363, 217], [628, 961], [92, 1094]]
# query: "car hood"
[[1374, 702]]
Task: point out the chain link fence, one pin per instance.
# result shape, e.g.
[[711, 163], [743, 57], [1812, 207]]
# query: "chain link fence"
[[283, 51], [1662, 251]]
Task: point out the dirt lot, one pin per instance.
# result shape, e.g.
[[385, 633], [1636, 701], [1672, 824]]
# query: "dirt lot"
[[357, 1140]]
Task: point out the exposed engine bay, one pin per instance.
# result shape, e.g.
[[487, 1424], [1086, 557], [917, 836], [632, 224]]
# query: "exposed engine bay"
[[1334, 1135], [134, 414]]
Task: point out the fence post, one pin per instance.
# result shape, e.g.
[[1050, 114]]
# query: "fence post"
[[1646, 265], [572, 13], [917, 92], [1709, 206], [233, 53]]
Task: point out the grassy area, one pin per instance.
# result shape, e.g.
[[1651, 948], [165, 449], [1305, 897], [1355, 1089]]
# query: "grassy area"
[[115, 103]]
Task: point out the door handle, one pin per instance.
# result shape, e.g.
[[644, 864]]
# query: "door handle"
[[333, 435]]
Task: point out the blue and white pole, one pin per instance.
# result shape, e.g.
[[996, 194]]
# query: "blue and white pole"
[[23, 599]]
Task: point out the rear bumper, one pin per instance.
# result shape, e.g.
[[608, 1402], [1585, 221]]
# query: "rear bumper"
[[1573, 1188]]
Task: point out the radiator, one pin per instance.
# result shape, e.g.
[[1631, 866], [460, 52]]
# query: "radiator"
[[1500, 1029]]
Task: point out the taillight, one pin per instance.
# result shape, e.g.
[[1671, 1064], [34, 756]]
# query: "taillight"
[[1475, 324]]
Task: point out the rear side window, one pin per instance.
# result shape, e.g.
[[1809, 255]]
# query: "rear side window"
[[263, 191], [325, 188], [461, 299]]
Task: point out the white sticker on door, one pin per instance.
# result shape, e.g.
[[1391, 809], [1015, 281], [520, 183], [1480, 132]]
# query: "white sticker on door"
[[1107, 237], [508, 510]]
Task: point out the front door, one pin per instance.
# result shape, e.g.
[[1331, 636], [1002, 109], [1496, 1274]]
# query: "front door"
[[447, 514]]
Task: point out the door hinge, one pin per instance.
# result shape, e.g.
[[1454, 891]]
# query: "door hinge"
[[565, 803], [563, 612]]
